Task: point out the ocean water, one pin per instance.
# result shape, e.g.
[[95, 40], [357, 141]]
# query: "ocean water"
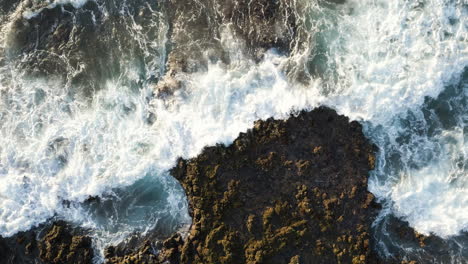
[[87, 124]]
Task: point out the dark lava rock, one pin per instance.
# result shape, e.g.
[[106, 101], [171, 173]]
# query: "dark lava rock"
[[291, 191], [60, 246], [57, 243]]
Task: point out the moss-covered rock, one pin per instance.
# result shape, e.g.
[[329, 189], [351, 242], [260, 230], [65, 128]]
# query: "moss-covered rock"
[[291, 191], [53, 243], [60, 246]]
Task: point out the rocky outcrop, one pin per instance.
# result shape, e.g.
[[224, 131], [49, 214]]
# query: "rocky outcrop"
[[60, 246], [291, 191], [57, 243]]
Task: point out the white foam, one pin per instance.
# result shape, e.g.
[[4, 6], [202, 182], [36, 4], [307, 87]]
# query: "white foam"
[[60, 150], [395, 54], [388, 57], [31, 13], [75, 3], [398, 53], [434, 199]]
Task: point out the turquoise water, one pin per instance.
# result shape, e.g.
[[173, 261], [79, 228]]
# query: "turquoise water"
[[84, 134]]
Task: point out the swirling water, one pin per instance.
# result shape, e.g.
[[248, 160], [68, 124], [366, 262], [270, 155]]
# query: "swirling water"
[[399, 67]]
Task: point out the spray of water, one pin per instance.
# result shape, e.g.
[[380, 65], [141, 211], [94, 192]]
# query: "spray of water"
[[395, 66]]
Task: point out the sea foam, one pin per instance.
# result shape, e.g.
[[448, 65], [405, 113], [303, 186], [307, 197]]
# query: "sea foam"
[[397, 55], [386, 58], [33, 12]]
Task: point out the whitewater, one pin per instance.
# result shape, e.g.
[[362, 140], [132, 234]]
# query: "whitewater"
[[400, 68]]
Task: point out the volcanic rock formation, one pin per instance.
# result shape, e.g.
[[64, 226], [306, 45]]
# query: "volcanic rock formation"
[[291, 191]]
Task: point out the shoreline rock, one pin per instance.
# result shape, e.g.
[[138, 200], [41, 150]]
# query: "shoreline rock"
[[292, 191], [55, 243], [286, 191]]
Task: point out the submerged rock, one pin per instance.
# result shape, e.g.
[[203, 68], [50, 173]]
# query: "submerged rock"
[[405, 245], [261, 25], [85, 46], [203, 32], [53, 39]]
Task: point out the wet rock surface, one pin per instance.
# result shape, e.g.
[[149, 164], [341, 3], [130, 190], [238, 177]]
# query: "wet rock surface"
[[410, 247], [86, 46], [286, 191], [199, 34], [291, 191], [56, 243]]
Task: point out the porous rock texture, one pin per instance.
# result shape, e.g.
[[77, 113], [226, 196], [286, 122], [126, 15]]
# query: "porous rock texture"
[[56, 244], [291, 191]]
